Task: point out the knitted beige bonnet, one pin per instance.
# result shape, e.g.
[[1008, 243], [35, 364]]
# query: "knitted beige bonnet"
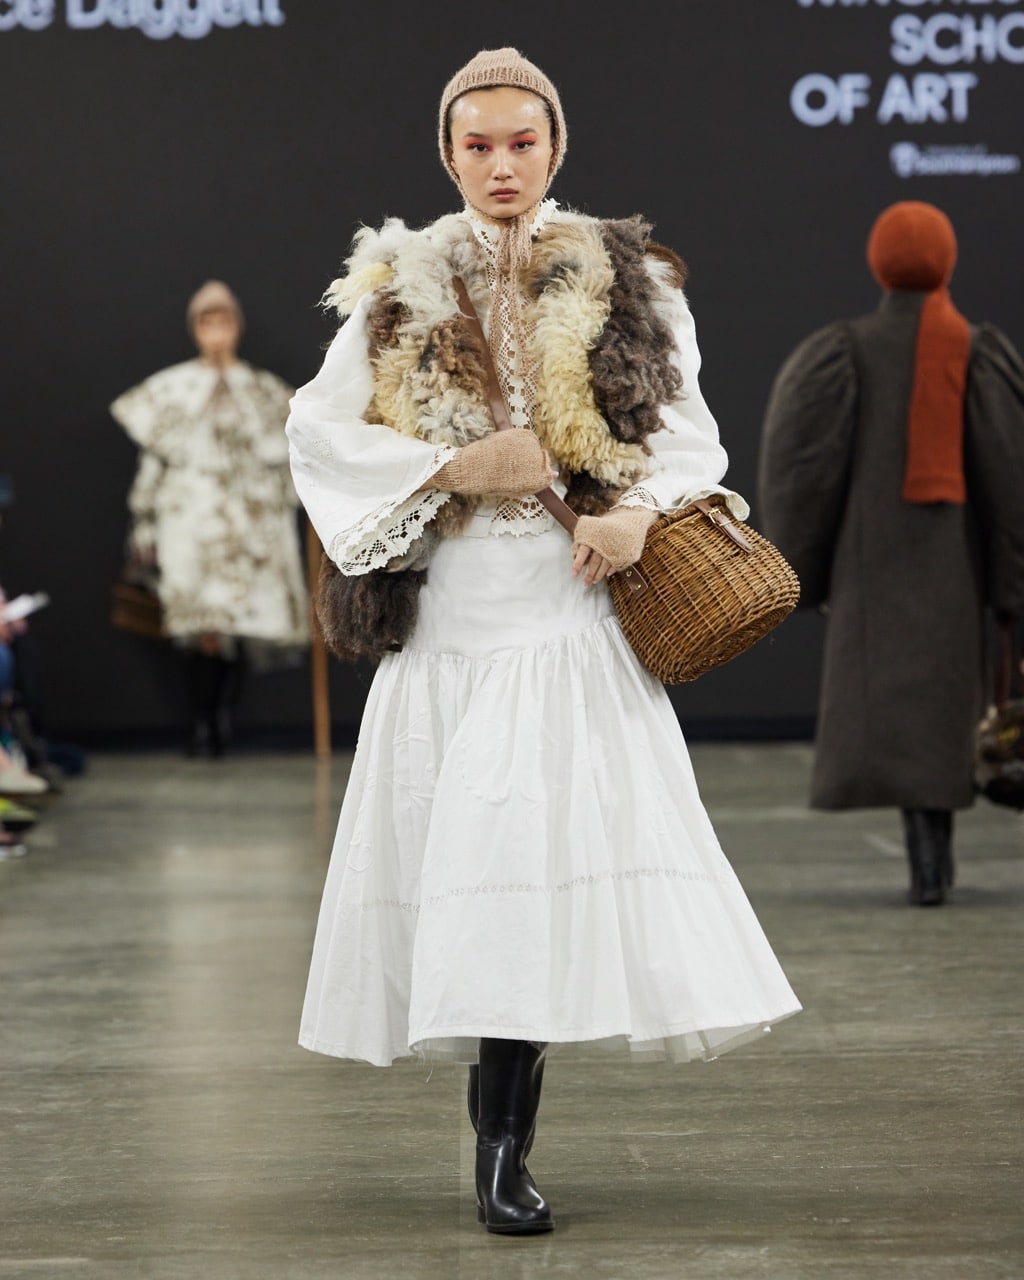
[[503, 69], [214, 295]]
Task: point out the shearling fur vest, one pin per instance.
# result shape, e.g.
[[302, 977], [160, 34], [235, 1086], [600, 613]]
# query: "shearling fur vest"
[[600, 302]]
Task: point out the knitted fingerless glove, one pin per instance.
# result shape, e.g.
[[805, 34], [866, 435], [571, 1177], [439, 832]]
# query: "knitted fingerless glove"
[[619, 535], [505, 464]]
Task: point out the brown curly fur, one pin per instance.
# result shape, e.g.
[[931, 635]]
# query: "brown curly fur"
[[454, 515], [373, 613], [632, 391], [587, 497], [366, 616], [452, 349], [385, 316]]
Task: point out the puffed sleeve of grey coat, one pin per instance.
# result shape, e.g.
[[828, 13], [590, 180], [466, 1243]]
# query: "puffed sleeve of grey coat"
[[806, 445], [994, 462]]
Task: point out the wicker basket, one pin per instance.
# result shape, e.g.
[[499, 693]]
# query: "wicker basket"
[[706, 588]]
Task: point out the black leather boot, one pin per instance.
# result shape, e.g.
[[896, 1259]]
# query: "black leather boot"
[[930, 852], [509, 1091], [473, 1097]]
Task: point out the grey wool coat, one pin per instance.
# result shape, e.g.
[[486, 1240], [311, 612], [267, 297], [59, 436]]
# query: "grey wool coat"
[[905, 674]]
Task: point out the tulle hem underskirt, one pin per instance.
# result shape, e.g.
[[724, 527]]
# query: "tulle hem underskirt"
[[460, 1047]]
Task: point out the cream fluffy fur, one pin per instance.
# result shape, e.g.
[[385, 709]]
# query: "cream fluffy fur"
[[569, 316]]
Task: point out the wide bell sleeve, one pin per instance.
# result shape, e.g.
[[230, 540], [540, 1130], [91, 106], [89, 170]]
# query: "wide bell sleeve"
[[805, 451], [688, 460], [162, 413], [359, 481], [138, 412], [143, 500], [994, 463]]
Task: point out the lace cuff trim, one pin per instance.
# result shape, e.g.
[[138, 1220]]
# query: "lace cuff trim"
[[638, 496], [737, 505], [393, 527]]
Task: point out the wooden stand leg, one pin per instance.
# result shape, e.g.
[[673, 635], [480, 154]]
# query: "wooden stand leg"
[[318, 655]]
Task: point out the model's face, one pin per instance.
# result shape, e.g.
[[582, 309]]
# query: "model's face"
[[501, 150], [216, 334]]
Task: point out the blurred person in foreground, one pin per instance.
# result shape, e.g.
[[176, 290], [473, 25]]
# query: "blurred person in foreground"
[[214, 512], [892, 478]]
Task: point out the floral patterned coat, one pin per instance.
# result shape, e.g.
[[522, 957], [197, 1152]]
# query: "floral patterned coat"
[[213, 499]]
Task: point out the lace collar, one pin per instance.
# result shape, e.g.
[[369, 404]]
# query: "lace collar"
[[487, 234]]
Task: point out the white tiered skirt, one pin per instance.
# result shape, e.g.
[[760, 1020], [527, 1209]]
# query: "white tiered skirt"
[[522, 851]]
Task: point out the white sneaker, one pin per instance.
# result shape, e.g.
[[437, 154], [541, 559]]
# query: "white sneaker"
[[16, 781]]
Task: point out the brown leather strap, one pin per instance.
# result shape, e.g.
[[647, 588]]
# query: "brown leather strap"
[[563, 513], [721, 518]]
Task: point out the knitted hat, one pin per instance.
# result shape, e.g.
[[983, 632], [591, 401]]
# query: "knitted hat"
[[503, 69], [214, 295], [912, 247]]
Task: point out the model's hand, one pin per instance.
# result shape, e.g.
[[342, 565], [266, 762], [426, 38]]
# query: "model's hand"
[[602, 545], [504, 464]]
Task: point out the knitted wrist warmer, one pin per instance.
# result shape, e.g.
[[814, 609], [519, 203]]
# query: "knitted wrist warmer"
[[619, 535], [505, 464]]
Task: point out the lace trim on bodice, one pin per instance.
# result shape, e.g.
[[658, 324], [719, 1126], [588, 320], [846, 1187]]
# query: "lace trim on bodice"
[[515, 516], [517, 377], [518, 516]]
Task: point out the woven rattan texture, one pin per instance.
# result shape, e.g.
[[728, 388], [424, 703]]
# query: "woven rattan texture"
[[137, 609], [707, 600]]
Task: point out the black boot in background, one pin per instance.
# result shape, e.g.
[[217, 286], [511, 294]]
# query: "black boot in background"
[[203, 676], [929, 834], [231, 680], [508, 1200]]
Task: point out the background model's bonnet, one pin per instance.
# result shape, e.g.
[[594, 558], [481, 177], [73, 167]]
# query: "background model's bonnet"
[[913, 247], [214, 295], [505, 69]]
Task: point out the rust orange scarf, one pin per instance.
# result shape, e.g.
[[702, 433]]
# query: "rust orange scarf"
[[913, 247]]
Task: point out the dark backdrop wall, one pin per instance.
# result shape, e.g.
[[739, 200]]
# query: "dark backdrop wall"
[[149, 145]]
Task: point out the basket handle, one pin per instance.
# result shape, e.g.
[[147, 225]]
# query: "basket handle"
[[718, 517]]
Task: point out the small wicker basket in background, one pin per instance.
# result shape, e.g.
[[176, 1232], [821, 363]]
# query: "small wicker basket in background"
[[706, 588]]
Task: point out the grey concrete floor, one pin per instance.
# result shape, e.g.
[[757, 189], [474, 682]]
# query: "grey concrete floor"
[[158, 1121]]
